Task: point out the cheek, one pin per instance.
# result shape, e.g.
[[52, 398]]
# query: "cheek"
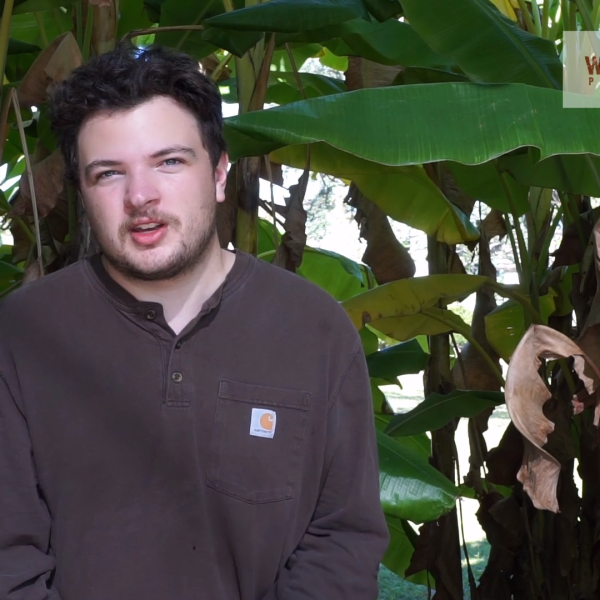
[[101, 215]]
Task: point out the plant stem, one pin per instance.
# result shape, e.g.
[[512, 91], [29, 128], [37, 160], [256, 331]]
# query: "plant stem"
[[545, 17], [89, 26], [585, 15], [79, 23], [572, 214], [527, 16], [525, 261], [541, 267], [596, 15], [219, 68], [556, 23], [270, 174], [466, 333], [535, 9], [572, 19], [15, 100], [296, 73], [565, 14], [513, 245], [167, 29], [4, 36]]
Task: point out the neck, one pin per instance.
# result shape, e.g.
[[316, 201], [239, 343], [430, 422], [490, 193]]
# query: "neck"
[[182, 298]]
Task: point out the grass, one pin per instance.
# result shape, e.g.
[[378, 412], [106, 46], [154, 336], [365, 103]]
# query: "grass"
[[392, 587]]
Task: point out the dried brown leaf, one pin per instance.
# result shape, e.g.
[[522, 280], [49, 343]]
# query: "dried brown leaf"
[[570, 251], [387, 257], [454, 264], [494, 225], [363, 73], [66, 58], [526, 393], [291, 250], [451, 190], [32, 272], [104, 31], [589, 341], [52, 65], [276, 173], [48, 182]]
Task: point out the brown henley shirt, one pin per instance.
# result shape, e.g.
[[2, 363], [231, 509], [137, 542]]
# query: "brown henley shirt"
[[234, 461]]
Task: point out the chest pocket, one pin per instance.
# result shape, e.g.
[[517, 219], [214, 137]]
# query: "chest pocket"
[[257, 441]]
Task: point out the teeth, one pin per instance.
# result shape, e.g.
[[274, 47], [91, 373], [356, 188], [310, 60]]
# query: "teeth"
[[147, 226]]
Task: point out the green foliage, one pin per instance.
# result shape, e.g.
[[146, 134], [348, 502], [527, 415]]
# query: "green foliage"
[[401, 359], [438, 410], [470, 108], [410, 487]]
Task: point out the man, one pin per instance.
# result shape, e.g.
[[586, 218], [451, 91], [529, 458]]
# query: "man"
[[177, 421]]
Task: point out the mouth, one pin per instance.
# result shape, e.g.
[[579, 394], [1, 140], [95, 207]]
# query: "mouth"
[[148, 232], [147, 226]]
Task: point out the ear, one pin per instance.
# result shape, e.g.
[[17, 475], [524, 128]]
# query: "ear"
[[221, 177]]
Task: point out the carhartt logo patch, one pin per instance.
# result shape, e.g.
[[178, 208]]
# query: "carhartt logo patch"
[[263, 422]]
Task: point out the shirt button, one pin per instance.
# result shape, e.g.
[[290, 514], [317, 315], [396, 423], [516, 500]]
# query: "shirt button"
[[178, 345], [151, 315], [177, 377]]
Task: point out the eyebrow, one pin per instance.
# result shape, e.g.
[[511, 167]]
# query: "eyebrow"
[[95, 164]]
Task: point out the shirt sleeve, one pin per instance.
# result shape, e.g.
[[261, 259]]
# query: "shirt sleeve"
[[25, 563], [339, 555]]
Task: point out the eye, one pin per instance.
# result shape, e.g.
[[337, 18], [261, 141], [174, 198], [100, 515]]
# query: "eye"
[[106, 174], [173, 162]]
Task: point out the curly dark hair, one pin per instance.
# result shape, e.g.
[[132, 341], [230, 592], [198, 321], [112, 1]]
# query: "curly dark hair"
[[125, 78]]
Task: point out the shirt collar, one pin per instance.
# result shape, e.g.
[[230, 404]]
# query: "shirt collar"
[[127, 300]]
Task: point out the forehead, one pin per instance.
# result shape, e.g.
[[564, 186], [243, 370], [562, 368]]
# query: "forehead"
[[153, 124]]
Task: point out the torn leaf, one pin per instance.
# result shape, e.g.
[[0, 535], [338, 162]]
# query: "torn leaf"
[[526, 393]]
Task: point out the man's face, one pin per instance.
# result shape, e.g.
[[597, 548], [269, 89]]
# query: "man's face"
[[149, 189]]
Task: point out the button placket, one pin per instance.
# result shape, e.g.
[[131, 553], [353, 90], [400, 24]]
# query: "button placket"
[[177, 384]]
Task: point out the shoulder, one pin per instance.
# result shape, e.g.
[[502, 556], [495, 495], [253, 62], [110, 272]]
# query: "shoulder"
[[38, 297], [296, 299]]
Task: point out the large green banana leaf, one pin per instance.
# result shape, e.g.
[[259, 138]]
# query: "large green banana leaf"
[[291, 15], [416, 124], [484, 183], [283, 88], [25, 27], [575, 173], [406, 194], [506, 325], [406, 327], [438, 410], [409, 297], [201, 43], [397, 360], [410, 488], [488, 46], [390, 43], [401, 548]]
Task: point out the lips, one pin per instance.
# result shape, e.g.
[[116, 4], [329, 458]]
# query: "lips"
[[148, 236], [146, 225]]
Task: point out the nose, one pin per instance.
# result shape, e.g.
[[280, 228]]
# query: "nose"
[[141, 189]]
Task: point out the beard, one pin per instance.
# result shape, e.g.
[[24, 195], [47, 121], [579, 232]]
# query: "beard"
[[184, 258]]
